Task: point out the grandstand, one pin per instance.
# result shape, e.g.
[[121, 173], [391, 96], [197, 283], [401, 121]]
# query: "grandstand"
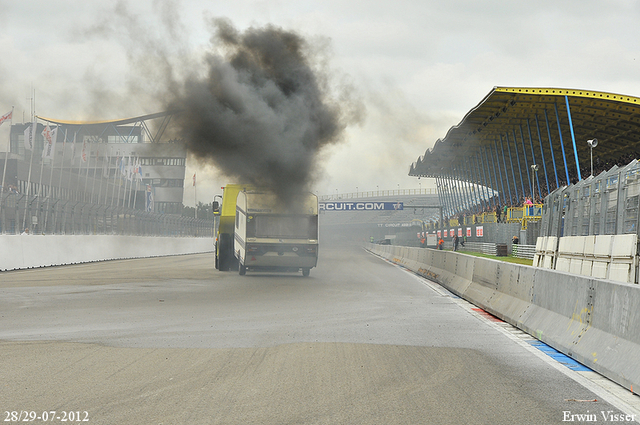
[[519, 144]]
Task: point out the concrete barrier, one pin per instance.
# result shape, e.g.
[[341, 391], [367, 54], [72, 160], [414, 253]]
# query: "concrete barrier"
[[28, 251], [594, 321]]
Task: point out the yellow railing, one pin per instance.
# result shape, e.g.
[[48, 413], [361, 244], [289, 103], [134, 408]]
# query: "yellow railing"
[[522, 215]]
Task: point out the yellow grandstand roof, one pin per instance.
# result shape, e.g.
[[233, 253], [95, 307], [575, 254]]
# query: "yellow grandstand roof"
[[536, 120]]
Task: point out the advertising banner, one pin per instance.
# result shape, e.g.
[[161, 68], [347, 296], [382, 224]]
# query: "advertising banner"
[[360, 206]]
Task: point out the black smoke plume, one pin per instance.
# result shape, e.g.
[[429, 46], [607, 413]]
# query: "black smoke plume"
[[261, 112]]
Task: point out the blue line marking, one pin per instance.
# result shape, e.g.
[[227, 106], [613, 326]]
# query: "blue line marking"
[[559, 357]]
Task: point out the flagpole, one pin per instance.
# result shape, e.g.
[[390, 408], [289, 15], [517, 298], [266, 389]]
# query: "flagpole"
[[93, 180], [119, 173], [32, 137], [4, 173], [102, 177], [130, 178], [86, 176], [137, 178], [6, 156], [60, 197], [49, 192], [126, 179], [116, 176]]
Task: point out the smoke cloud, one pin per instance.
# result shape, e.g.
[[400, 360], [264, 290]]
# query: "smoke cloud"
[[262, 108]]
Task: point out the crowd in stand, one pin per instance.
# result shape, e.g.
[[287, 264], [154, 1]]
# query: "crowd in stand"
[[500, 207], [600, 165]]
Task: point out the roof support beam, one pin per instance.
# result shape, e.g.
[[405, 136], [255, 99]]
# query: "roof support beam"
[[503, 199], [553, 157], [476, 177], [526, 163], [573, 137], [487, 183], [544, 163], [474, 195], [515, 185], [493, 163], [533, 155], [491, 183], [564, 157], [506, 173]]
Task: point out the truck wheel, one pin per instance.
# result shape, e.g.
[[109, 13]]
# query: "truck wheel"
[[225, 252], [305, 272], [242, 270]]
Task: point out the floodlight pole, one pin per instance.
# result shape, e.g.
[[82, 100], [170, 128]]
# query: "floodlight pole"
[[533, 185], [592, 144]]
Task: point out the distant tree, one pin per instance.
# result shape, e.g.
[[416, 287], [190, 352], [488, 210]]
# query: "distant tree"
[[205, 211]]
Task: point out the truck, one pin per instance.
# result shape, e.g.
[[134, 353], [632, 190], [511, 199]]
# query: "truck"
[[264, 234]]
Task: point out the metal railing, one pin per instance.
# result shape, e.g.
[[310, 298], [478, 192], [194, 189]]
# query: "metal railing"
[[522, 215], [523, 251], [60, 216], [377, 193], [484, 248]]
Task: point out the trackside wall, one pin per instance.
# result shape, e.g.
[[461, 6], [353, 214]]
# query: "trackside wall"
[[28, 251], [594, 321]]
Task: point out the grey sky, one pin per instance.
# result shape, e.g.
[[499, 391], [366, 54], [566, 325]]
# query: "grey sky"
[[418, 66]]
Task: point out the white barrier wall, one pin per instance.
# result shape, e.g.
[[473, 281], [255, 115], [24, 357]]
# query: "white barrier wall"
[[594, 321], [612, 257], [27, 251]]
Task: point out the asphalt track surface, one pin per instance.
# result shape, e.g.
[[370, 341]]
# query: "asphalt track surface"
[[173, 341]]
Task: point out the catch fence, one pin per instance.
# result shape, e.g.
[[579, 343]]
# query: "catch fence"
[[60, 216]]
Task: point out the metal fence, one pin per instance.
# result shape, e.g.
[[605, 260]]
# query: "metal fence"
[[606, 204], [59, 216]]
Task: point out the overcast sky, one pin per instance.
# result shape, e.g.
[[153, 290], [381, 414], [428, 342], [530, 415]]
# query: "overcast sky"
[[417, 66]]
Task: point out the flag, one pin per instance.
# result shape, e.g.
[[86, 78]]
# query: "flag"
[[6, 117], [73, 148], [149, 201], [105, 164], [29, 136], [83, 155], [129, 169], [194, 179], [49, 141], [137, 169]]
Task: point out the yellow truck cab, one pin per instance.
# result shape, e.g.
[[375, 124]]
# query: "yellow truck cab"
[[224, 257]]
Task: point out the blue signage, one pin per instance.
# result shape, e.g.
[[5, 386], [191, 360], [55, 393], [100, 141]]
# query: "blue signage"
[[360, 206]]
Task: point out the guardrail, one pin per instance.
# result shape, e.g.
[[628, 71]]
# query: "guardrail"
[[484, 248], [523, 251], [591, 320]]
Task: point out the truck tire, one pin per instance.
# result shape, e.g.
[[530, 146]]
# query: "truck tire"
[[242, 270], [306, 271], [225, 252]]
